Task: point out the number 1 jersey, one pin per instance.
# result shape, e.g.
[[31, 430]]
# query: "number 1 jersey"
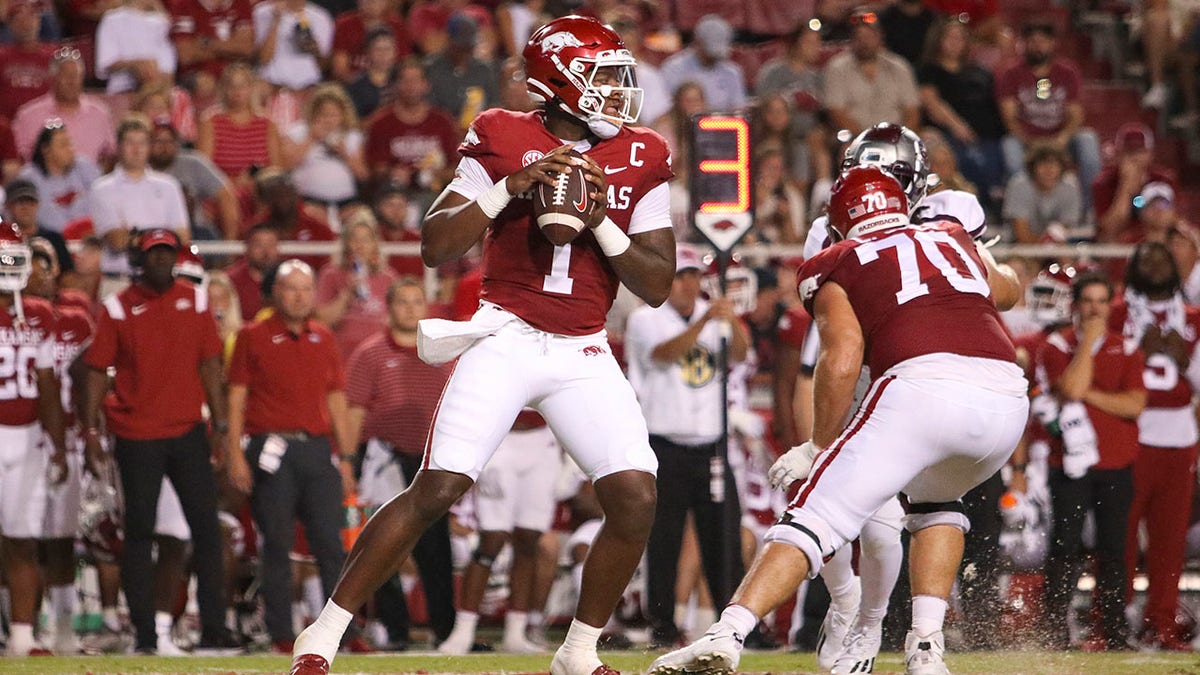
[[558, 289], [916, 290]]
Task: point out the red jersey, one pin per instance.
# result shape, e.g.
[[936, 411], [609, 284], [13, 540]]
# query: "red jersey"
[[197, 19], [1118, 368], [1168, 421], [793, 326], [917, 290], [391, 142], [156, 342], [249, 289], [1041, 100], [565, 289], [25, 348], [349, 32], [24, 75], [73, 335]]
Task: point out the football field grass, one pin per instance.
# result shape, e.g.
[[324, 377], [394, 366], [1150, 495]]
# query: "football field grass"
[[979, 663]]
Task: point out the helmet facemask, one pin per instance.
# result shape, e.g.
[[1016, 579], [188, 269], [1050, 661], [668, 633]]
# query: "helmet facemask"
[[15, 266], [581, 73]]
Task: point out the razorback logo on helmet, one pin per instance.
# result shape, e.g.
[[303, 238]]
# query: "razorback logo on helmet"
[[556, 42]]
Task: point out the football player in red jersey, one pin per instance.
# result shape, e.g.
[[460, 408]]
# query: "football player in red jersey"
[[1154, 315], [73, 333], [29, 394], [538, 337], [946, 405]]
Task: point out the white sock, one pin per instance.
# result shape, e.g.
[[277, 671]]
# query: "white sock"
[[845, 590], [63, 600], [581, 637], [514, 625], [231, 619], [323, 637], [465, 623], [536, 619], [314, 595], [928, 614], [162, 624], [112, 620], [20, 638], [705, 616], [740, 619], [408, 582], [880, 561]]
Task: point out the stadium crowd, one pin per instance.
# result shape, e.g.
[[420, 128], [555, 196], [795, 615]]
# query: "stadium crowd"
[[129, 129]]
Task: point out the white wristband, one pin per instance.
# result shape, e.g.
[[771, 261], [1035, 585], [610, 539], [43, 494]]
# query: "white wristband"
[[612, 240], [493, 201]]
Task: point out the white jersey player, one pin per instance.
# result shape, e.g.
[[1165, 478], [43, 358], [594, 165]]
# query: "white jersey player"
[[849, 639]]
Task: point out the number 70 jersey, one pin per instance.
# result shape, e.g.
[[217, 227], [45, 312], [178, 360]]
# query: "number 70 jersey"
[[916, 290], [558, 289]]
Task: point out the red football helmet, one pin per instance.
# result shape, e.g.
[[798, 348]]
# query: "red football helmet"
[[562, 60], [100, 520], [1048, 296], [15, 258], [741, 284], [865, 199], [188, 265]]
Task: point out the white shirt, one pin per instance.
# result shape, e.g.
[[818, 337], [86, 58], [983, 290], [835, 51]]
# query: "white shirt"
[[321, 174], [127, 33], [289, 67], [120, 200], [681, 400]]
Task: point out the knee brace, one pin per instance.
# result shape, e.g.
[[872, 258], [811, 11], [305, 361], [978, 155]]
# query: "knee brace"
[[921, 516], [788, 531]]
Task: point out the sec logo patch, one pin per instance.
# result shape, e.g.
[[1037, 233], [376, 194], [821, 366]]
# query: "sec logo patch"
[[531, 156]]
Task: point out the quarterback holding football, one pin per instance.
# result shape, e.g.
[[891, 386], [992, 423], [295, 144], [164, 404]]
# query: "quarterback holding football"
[[538, 338]]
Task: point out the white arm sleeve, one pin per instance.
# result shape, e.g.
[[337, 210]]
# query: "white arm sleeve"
[[818, 236], [470, 179], [652, 212]]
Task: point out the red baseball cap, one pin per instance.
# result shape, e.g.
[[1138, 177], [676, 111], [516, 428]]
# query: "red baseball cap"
[[158, 237], [1134, 136]]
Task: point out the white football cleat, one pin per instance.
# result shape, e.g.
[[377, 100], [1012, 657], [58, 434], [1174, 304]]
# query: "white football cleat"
[[717, 652], [457, 643], [859, 650], [923, 654], [830, 639]]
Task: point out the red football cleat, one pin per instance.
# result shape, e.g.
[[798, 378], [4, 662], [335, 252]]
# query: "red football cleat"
[[309, 664], [605, 670], [358, 645]]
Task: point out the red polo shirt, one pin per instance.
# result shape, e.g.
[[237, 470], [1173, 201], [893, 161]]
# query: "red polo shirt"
[[1116, 369], [156, 343], [288, 376], [399, 391]]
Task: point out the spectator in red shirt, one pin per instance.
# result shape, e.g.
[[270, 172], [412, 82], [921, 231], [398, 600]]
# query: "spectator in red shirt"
[[1087, 363], [1040, 103], [24, 64], [412, 143], [162, 340], [351, 29], [393, 395], [428, 19], [209, 35], [352, 293], [1115, 191], [285, 212], [262, 255], [287, 392]]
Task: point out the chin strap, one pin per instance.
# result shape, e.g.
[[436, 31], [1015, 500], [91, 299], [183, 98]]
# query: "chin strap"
[[18, 307]]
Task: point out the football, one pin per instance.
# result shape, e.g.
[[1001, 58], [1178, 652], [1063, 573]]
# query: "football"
[[561, 210]]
